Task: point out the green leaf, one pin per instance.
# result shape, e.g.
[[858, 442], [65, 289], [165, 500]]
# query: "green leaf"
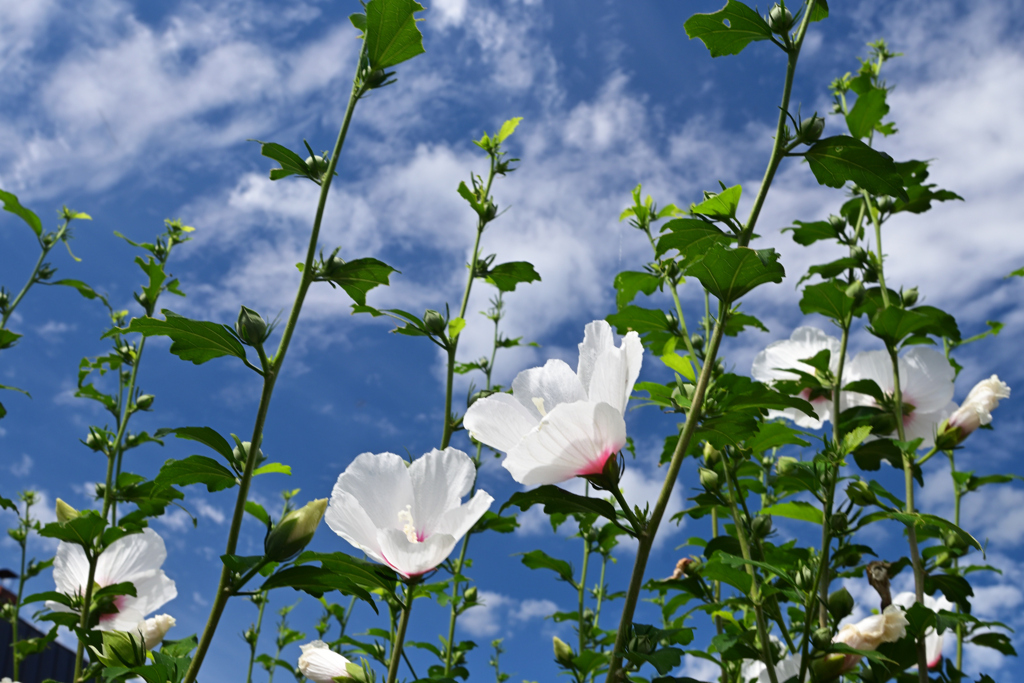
[[691, 237], [538, 559], [83, 289], [869, 456], [664, 659], [729, 30], [680, 364], [892, 325], [775, 435], [831, 269], [359, 276], [360, 571], [955, 588], [640, 320], [12, 205], [257, 511], [730, 273], [391, 34], [722, 205], [193, 340], [241, 563], [837, 160], [82, 530], [556, 500], [796, 509], [921, 194], [505, 276], [629, 283], [492, 521], [736, 322], [809, 233], [996, 641], [204, 435], [819, 12], [8, 338], [867, 113], [507, 129], [196, 469], [291, 163], [316, 581], [828, 299], [273, 468]]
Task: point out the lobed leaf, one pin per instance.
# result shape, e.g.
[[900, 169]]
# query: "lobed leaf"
[[729, 30], [841, 159]]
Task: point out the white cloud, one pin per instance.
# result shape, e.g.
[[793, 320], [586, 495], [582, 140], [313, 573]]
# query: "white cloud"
[[698, 669], [204, 509], [176, 520], [23, 467], [498, 613]]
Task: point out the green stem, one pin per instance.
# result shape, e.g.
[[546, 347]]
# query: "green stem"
[[255, 642], [583, 593], [755, 587], [450, 650], [25, 526], [403, 624], [873, 213], [956, 561], [35, 273], [908, 477], [646, 537], [84, 622], [638, 528], [273, 368], [928, 456], [778, 151]]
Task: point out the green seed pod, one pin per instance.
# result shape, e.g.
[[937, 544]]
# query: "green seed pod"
[[294, 531], [780, 19], [697, 341], [251, 328], [708, 479], [434, 322]]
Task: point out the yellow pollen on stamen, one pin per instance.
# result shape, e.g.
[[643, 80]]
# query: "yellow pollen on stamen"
[[405, 515], [539, 402]]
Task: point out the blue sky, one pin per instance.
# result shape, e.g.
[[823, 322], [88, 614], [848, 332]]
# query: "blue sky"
[[136, 112]]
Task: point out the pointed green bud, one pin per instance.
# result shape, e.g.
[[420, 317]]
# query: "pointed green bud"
[[434, 322], [711, 454], [811, 128], [470, 595], [242, 454], [251, 328], [563, 653], [708, 479], [829, 667], [786, 465], [838, 522], [780, 19], [860, 493], [317, 166], [122, 649], [761, 526], [909, 297], [821, 638], [294, 531], [65, 513], [145, 402], [95, 441], [840, 604], [856, 292], [837, 222]]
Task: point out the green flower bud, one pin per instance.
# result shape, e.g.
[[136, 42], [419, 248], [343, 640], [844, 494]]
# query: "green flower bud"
[[821, 638], [65, 513], [122, 649], [780, 19], [786, 465], [886, 204], [838, 222], [708, 479], [563, 653], [251, 328], [95, 441], [294, 531], [953, 540], [840, 604], [144, 402], [909, 296], [434, 322], [711, 454], [811, 128], [856, 292], [829, 667], [242, 454], [761, 526], [697, 341], [374, 78], [317, 166], [470, 595], [804, 578], [838, 522], [860, 493]]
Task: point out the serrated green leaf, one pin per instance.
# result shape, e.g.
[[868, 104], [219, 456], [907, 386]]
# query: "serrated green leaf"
[[83, 289], [729, 30], [722, 205], [556, 500], [795, 509], [809, 233], [316, 581], [273, 468], [538, 559], [291, 163], [196, 469], [629, 283], [193, 340], [728, 274], [828, 299], [867, 113], [204, 435], [505, 276], [391, 34], [12, 205], [691, 237], [359, 276], [840, 159], [507, 129]]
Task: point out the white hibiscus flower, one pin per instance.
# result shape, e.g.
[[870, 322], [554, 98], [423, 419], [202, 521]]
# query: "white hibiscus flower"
[[932, 640], [408, 517], [136, 558], [558, 424], [772, 363], [321, 664]]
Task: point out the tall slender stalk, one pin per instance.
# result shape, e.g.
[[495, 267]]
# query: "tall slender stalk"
[[646, 539], [84, 621], [271, 370], [957, 493], [399, 639], [33, 278]]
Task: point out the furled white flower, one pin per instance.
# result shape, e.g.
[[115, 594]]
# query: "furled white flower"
[[5, 679], [408, 517], [784, 670], [772, 363], [155, 628], [868, 634], [978, 406], [932, 640], [926, 383], [558, 424], [321, 664], [136, 558]]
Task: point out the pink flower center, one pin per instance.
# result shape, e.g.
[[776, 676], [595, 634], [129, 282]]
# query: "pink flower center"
[[596, 466]]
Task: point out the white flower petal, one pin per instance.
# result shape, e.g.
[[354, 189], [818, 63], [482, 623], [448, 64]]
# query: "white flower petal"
[[457, 521], [439, 479], [932, 640], [539, 390], [926, 379], [606, 372], [131, 556], [926, 425], [805, 342], [70, 569], [321, 664], [500, 421], [346, 518], [154, 629], [784, 670], [381, 485], [874, 365], [574, 439], [414, 558], [597, 338]]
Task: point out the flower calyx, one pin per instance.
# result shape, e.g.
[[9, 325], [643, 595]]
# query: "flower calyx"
[[294, 531]]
